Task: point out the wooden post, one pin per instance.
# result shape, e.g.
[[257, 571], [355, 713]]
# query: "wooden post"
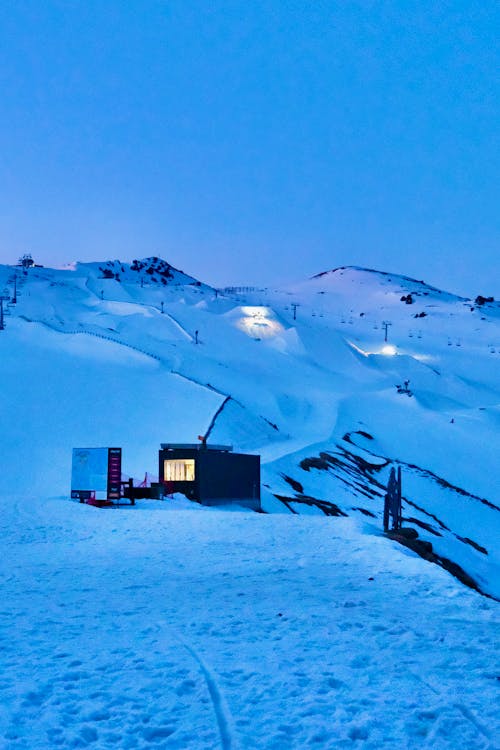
[[400, 512]]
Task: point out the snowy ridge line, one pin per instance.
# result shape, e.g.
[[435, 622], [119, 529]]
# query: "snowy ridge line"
[[391, 276]]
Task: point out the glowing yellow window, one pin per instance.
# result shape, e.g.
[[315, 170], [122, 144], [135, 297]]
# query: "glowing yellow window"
[[179, 470]]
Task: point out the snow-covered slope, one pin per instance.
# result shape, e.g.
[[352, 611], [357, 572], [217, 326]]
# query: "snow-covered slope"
[[133, 355]]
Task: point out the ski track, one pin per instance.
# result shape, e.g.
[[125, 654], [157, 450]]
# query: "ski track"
[[188, 336], [463, 710], [220, 709]]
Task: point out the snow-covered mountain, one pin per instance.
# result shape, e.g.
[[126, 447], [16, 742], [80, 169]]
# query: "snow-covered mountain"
[[137, 354], [180, 627]]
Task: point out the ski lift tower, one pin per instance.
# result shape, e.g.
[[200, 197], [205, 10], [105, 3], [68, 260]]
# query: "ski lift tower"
[[392, 501], [4, 297]]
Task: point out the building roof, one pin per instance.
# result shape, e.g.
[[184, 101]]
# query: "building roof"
[[196, 446]]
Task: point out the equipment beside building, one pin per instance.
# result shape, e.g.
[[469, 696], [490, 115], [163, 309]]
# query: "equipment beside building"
[[210, 474], [96, 475], [207, 474]]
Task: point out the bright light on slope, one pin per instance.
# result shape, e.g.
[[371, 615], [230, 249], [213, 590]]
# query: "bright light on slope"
[[389, 350], [258, 322]]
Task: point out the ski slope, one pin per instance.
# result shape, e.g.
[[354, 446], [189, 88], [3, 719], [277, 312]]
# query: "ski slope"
[[174, 626], [106, 354]]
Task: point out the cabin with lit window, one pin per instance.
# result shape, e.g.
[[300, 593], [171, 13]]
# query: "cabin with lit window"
[[210, 474]]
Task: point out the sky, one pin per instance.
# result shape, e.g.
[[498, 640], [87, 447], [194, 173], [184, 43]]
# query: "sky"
[[254, 142]]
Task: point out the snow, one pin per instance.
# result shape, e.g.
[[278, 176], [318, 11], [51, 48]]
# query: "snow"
[[200, 628], [138, 628]]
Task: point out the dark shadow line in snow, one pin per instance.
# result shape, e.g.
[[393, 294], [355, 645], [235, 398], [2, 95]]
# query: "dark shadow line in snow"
[[440, 523], [422, 524], [214, 418], [294, 484], [286, 502], [198, 382], [365, 512], [271, 424], [326, 506], [447, 485], [472, 543]]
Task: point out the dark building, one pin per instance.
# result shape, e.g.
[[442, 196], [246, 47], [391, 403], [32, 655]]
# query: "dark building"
[[210, 474]]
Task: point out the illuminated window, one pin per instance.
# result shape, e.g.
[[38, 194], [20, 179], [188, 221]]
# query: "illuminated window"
[[180, 470]]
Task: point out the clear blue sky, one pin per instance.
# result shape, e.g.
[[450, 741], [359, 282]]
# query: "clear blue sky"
[[251, 140]]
